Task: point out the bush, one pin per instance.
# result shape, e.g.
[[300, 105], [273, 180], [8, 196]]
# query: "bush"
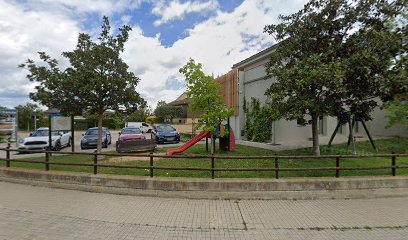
[[258, 122]]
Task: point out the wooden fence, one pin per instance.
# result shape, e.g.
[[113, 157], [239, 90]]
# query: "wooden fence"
[[212, 168]]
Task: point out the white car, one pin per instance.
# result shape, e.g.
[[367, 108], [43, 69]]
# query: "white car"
[[39, 140], [144, 127]]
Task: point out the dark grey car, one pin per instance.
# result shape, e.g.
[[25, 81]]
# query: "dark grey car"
[[90, 138], [166, 133]]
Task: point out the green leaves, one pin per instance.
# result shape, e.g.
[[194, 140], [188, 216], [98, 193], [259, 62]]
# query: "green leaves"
[[205, 96], [97, 78], [258, 121], [397, 113], [334, 56], [169, 112]]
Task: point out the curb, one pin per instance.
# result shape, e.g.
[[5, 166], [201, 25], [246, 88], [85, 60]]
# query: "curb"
[[197, 188]]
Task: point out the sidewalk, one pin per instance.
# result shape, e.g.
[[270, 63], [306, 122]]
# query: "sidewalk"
[[29, 212]]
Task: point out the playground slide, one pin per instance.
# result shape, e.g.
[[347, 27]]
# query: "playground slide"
[[188, 144]]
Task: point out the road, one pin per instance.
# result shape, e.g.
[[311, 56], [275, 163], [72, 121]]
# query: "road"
[[29, 212], [77, 141]]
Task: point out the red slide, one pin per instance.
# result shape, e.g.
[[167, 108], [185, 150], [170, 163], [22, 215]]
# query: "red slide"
[[188, 144]]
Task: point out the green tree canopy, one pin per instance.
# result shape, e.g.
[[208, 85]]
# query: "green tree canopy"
[[139, 115], [96, 80], [168, 112], [332, 58], [204, 93], [26, 115]]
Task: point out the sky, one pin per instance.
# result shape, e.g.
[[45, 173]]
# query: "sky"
[[166, 33]]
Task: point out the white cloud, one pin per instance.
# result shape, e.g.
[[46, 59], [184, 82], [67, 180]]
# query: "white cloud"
[[22, 34], [104, 7], [217, 43], [176, 10]]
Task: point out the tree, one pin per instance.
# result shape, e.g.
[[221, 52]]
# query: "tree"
[[204, 93], [331, 58], [169, 112], [139, 115], [161, 104], [396, 82], [96, 80], [26, 115], [2, 108]]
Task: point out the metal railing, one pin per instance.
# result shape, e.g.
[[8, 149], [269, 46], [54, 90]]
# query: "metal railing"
[[212, 168]]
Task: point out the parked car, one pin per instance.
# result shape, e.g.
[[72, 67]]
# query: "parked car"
[[90, 138], [130, 133], [166, 133], [39, 140], [144, 127]]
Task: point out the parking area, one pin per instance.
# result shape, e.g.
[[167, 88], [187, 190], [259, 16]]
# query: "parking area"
[[77, 143]]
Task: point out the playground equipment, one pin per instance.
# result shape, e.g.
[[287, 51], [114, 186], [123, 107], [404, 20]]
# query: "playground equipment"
[[351, 120], [227, 143]]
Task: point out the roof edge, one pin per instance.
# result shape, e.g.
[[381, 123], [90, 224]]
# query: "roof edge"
[[255, 56]]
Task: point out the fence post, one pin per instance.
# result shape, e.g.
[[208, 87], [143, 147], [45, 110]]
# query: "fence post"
[[393, 163], [47, 160], [337, 166], [151, 164], [95, 168], [8, 155], [212, 166], [276, 168]]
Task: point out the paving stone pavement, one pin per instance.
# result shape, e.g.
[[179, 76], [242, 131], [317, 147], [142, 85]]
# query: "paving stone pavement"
[[29, 212]]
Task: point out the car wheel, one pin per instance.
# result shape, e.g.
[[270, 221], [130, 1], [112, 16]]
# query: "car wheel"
[[69, 142], [105, 144], [57, 146]]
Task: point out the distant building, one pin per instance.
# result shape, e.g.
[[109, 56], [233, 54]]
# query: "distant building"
[[188, 116]]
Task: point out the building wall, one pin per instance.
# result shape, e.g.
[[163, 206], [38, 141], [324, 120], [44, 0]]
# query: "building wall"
[[377, 126], [252, 83], [229, 90]]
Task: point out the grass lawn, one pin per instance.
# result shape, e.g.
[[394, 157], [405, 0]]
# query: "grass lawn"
[[398, 145]]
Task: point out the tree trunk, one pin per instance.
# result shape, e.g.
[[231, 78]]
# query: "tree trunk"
[[315, 134], [99, 145], [212, 143]]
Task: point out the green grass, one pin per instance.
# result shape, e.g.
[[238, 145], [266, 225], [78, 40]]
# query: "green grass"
[[398, 145]]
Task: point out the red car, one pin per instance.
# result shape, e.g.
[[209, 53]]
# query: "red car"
[[130, 133]]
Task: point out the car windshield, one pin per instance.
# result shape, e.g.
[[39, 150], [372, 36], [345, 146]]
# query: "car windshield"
[[43, 133], [94, 132], [131, 131], [164, 128]]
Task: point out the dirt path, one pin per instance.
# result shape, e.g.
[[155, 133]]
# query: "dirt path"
[[131, 158]]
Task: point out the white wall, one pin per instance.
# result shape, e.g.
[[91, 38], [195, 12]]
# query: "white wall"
[[377, 125], [252, 83]]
